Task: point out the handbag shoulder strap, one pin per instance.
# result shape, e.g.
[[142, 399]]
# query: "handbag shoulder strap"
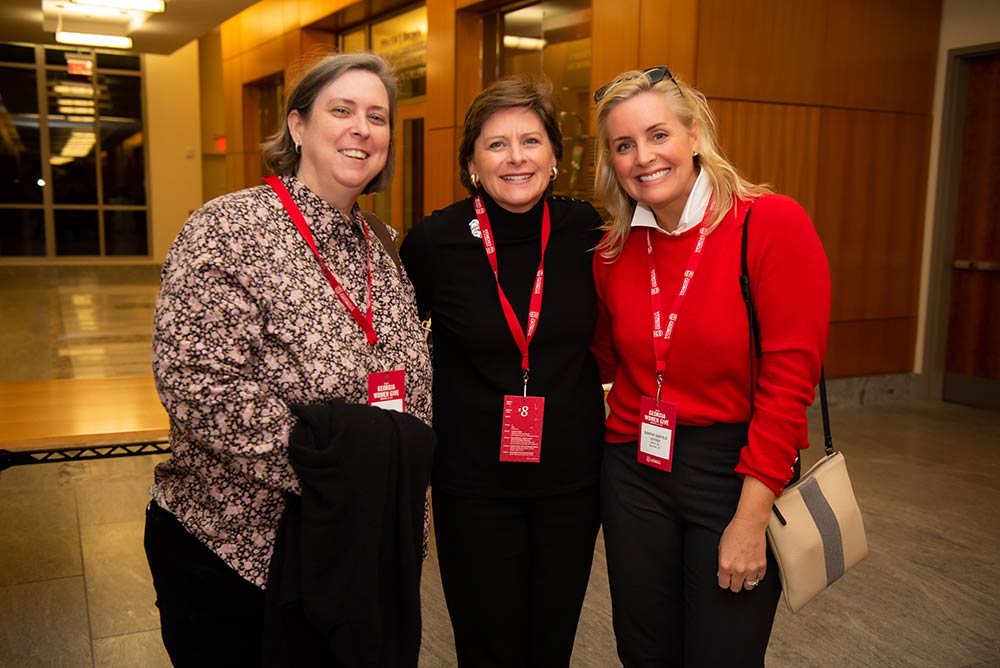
[[755, 346], [381, 230]]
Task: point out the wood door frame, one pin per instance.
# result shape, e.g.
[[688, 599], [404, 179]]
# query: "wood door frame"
[[943, 228], [406, 111]]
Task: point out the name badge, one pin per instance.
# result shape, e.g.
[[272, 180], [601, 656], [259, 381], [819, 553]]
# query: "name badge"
[[657, 421], [521, 433], [387, 389]]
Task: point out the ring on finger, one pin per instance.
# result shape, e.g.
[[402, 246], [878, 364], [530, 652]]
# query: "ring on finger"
[[752, 583]]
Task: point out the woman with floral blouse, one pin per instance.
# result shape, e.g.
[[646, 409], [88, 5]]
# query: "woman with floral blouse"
[[257, 313]]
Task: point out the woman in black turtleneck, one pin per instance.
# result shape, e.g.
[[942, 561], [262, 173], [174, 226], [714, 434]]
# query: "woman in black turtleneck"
[[515, 501]]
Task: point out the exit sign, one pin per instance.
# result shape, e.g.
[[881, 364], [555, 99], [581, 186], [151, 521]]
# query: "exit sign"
[[81, 65]]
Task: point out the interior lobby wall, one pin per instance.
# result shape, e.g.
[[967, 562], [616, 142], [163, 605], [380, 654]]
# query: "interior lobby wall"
[[828, 101], [174, 127], [964, 23]]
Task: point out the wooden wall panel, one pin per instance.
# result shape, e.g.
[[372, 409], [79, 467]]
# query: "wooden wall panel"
[[263, 60], [885, 54], [232, 36], [864, 347], [828, 101], [311, 11], [614, 46], [441, 169], [764, 50], [468, 71], [441, 37], [234, 171], [232, 83], [870, 209], [293, 57], [251, 132], [315, 44], [262, 23], [668, 32], [773, 143], [289, 15]]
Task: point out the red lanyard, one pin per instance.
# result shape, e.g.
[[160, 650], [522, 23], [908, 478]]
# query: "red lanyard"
[[364, 320], [535, 308], [663, 334]]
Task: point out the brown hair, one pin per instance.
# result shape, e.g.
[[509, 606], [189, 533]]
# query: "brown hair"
[[521, 90], [279, 151]]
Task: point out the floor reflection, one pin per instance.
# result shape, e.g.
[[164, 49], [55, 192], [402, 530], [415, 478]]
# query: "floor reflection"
[[75, 590]]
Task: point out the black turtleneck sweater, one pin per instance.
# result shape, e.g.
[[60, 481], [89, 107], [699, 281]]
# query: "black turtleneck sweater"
[[477, 362]]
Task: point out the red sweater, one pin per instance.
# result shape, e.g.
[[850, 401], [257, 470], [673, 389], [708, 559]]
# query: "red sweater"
[[707, 372]]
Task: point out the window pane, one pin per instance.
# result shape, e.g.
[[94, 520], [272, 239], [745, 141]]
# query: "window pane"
[[123, 163], [554, 38], [90, 113], [11, 53], [73, 138], [522, 42], [20, 151], [402, 40], [22, 232], [76, 233], [125, 233], [74, 170], [55, 55], [119, 95], [117, 61]]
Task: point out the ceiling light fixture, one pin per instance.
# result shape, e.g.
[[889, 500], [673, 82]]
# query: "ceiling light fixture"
[[74, 89], [89, 37], [75, 102], [524, 43], [153, 6], [93, 39]]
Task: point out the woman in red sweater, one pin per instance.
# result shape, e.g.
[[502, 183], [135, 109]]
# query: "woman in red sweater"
[[703, 434]]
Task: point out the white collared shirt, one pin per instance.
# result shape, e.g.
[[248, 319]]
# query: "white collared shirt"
[[694, 210]]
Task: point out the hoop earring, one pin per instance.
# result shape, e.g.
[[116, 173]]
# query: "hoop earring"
[[474, 180], [553, 173], [298, 148]]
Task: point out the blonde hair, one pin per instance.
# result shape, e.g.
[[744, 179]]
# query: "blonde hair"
[[691, 109]]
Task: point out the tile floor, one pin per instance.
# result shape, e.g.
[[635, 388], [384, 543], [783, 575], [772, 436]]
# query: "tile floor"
[[75, 590]]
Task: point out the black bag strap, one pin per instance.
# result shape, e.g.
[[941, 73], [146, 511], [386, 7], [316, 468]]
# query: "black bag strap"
[[381, 230], [755, 347]]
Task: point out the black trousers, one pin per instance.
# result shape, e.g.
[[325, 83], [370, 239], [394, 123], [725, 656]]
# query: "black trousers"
[[515, 573], [209, 615], [661, 533]]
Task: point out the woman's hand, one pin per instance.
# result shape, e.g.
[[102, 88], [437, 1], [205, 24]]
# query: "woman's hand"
[[743, 546]]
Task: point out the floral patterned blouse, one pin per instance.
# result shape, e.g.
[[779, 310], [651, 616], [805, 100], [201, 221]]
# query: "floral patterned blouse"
[[246, 325]]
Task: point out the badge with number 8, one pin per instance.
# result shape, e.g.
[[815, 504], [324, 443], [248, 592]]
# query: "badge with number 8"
[[521, 431]]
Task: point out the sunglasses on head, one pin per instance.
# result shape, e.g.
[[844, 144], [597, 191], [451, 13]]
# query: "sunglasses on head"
[[654, 74]]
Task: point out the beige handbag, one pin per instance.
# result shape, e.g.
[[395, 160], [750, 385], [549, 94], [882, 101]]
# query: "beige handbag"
[[815, 531]]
